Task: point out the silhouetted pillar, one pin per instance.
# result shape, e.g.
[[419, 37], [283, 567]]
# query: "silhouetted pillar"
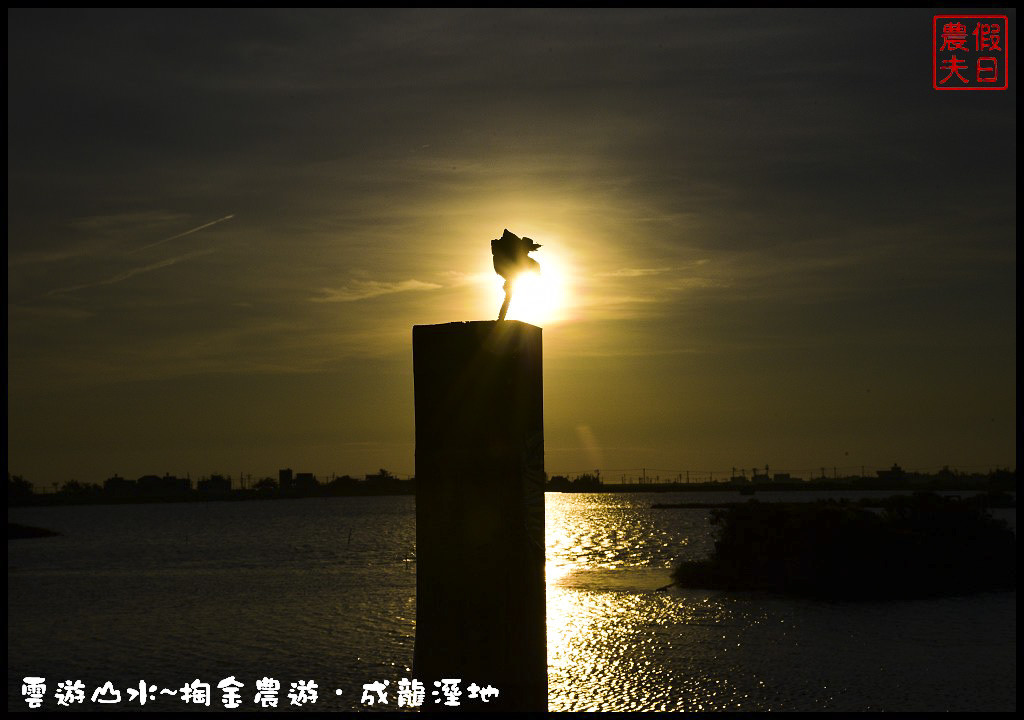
[[480, 606]]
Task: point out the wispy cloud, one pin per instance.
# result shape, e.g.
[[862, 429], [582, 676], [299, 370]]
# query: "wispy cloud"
[[364, 289], [36, 313], [454, 278], [130, 273], [99, 235], [635, 272], [183, 234], [125, 221], [42, 257]]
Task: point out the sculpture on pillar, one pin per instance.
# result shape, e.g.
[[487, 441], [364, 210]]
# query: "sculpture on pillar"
[[511, 257]]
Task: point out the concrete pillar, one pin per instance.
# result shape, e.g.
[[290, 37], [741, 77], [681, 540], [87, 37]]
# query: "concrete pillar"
[[480, 605]]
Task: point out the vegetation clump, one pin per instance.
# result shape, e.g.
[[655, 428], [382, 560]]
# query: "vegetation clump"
[[21, 532], [917, 546]]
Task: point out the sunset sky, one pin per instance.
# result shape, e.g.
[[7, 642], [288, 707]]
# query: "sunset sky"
[[774, 242]]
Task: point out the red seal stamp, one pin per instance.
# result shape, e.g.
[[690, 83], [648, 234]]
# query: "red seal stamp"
[[969, 52]]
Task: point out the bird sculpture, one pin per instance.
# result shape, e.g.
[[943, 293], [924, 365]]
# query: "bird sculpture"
[[511, 257]]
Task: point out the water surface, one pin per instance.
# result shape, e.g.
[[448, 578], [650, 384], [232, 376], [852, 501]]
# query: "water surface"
[[324, 589]]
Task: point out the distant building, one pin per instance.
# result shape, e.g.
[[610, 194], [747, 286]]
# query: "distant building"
[[384, 482], [306, 483], [118, 486], [166, 486], [214, 486], [894, 474], [296, 483]]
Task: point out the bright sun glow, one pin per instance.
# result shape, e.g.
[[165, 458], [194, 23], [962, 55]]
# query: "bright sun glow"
[[537, 298]]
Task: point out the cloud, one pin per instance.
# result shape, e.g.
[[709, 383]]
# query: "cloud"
[[36, 313], [183, 234], [132, 272], [365, 289], [42, 257], [635, 272], [103, 233], [125, 221]]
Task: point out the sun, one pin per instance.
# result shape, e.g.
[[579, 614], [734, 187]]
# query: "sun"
[[538, 298]]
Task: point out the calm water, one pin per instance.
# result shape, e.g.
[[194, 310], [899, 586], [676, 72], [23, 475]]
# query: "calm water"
[[324, 590]]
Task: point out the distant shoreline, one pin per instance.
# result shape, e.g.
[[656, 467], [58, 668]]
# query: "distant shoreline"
[[990, 499], [407, 488]]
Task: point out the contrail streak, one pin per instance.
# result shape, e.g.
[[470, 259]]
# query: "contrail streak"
[[130, 273], [181, 235]]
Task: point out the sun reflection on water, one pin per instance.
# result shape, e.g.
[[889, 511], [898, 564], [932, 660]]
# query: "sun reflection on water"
[[607, 628], [616, 643]]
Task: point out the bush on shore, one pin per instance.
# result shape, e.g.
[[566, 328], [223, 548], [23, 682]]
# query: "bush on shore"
[[918, 546]]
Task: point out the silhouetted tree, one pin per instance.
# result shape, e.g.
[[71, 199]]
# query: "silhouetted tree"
[[18, 488], [79, 492], [587, 483], [558, 483], [344, 485]]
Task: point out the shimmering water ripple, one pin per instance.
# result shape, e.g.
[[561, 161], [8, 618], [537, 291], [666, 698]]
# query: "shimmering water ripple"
[[325, 589]]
